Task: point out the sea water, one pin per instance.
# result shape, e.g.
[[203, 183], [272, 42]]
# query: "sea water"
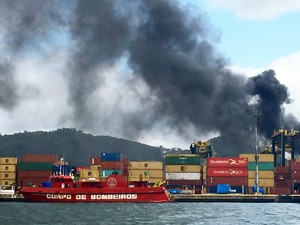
[[19, 213]]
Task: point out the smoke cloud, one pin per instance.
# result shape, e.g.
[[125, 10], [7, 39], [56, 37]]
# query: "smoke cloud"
[[138, 67]]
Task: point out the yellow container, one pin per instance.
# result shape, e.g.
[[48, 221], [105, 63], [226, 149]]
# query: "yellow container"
[[145, 173], [7, 168], [204, 176], [261, 174], [183, 168], [7, 176], [149, 165], [7, 182], [204, 168], [262, 157], [8, 160], [84, 174], [261, 182], [95, 167]]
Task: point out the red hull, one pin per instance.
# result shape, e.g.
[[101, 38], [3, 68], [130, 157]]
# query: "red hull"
[[141, 194]]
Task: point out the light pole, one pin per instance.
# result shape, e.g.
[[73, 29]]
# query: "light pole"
[[256, 113]]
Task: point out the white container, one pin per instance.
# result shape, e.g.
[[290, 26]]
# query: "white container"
[[183, 176]]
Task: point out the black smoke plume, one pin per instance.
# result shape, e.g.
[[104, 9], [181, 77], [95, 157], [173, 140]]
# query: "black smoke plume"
[[168, 46]]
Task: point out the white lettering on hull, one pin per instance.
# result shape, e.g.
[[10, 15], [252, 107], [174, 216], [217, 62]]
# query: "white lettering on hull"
[[93, 197]]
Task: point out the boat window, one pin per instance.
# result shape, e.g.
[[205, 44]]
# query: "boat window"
[[89, 173]]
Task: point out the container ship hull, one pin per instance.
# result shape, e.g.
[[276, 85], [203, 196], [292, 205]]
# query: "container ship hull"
[[38, 194]]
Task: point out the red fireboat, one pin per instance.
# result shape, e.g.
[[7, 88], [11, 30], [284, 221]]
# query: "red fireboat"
[[115, 188]]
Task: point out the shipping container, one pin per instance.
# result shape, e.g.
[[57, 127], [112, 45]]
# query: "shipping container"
[[282, 183], [295, 174], [105, 173], [183, 182], [227, 162], [111, 165], [233, 181], [149, 179], [35, 166], [95, 161], [107, 156], [7, 168], [183, 176], [262, 182], [183, 160], [280, 190], [204, 175], [8, 160], [279, 177], [261, 157], [281, 170], [84, 174], [294, 166], [155, 165], [183, 168], [232, 189], [227, 172], [261, 174], [8, 176], [261, 166], [7, 183], [35, 173], [52, 158], [150, 173]]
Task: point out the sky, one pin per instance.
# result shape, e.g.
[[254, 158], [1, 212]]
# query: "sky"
[[157, 72]]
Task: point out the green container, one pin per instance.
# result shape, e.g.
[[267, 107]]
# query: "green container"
[[261, 166], [182, 160], [35, 166], [105, 173]]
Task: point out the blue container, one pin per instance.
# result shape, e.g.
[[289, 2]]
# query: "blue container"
[[260, 189], [223, 188], [174, 191], [63, 169], [115, 157]]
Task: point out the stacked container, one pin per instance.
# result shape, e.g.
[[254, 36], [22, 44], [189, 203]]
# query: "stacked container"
[[282, 181], [183, 172], [34, 169], [265, 171], [295, 175], [227, 171], [151, 171], [8, 171], [110, 163]]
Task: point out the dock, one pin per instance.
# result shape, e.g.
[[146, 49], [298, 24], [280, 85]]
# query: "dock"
[[236, 198]]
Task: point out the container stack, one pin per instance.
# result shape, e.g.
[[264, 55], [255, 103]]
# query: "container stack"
[[282, 181], [151, 171], [183, 172], [295, 175], [265, 171], [36, 168], [110, 163], [227, 171], [8, 171]]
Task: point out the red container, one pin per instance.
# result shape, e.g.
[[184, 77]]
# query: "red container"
[[40, 158], [280, 190], [34, 173], [295, 174], [227, 162], [281, 177], [184, 182], [294, 166], [282, 170], [95, 161], [283, 183], [227, 172], [233, 181], [110, 165]]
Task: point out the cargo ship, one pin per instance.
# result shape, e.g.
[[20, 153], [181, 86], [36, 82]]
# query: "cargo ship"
[[115, 188]]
